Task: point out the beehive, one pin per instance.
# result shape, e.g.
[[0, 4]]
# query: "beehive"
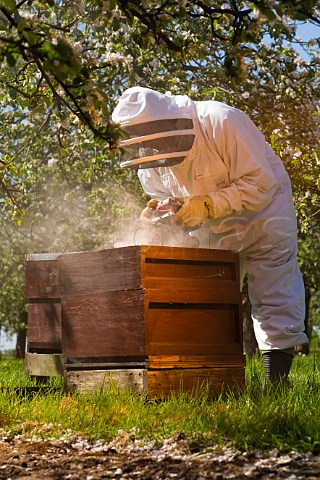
[[153, 318], [43, 357], [44, 312]]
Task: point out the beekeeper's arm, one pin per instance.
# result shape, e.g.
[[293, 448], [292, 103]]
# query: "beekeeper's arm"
[[153, 186], [243, 149]]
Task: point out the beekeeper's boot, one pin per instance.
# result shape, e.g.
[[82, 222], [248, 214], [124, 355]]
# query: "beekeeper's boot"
[[277, 364]]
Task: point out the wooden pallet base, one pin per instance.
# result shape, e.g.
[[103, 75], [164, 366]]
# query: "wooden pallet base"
[[88, 381], [44, 364], [157, 383]]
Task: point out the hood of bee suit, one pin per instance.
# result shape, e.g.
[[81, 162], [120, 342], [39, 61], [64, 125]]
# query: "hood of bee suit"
[[160, 127]]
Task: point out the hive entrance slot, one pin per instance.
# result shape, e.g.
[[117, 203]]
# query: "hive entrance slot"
[[190, 306], [178, 261], [44, 300]]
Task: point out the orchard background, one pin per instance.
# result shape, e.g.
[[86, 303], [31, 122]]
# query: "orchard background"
[[65, 63]]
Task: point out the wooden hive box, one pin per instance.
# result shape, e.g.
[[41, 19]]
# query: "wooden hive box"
[[154, 318], [43, 357]]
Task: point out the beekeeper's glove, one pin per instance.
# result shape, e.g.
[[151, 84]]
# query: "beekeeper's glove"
[[194, 211]]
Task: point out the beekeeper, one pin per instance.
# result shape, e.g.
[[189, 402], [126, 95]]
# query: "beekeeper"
[[235, 195]]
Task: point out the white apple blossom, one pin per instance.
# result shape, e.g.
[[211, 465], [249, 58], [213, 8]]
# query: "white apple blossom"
[[256, 14], [52, 162], [288, 24]]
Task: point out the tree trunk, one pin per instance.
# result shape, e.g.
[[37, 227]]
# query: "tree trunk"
[[22, 336], [250, 345]]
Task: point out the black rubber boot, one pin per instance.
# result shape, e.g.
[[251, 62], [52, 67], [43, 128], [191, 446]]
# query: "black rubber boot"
[[277, 364]]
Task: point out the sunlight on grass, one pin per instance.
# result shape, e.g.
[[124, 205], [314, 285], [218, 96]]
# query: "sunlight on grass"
[[283, 418]]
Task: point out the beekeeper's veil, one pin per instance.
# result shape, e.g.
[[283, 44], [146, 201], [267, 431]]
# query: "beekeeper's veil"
[[160, 127]]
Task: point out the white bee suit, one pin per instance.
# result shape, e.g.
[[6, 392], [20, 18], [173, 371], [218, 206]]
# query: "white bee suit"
[[254, 214]]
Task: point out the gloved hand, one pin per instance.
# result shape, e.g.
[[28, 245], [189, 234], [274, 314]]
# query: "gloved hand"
[[194, 211]]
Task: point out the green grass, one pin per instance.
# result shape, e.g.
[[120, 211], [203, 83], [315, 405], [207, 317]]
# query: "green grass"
[[284, 419]]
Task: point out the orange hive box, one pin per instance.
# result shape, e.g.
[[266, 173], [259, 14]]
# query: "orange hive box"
[[152, 318]]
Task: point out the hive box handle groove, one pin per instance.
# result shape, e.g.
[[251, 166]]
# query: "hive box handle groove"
[[190, 306]]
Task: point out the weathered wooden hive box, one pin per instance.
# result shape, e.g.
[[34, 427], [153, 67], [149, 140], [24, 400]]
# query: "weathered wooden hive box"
[[44, 344], [153, 318]]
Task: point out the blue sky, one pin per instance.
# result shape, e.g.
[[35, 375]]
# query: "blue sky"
[[7, 342], [307, 31]]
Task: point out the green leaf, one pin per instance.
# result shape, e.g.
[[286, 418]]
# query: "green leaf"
[[3, 25], [23, 24], [11, 59], [110, 4], [64, 153], [13, 168], [9, 5], [269, 14], [31, 37], [116, 24], [13, 93], [47, 100]]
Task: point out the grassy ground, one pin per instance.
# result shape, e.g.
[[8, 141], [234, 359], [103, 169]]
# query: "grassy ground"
[[284, 419]]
